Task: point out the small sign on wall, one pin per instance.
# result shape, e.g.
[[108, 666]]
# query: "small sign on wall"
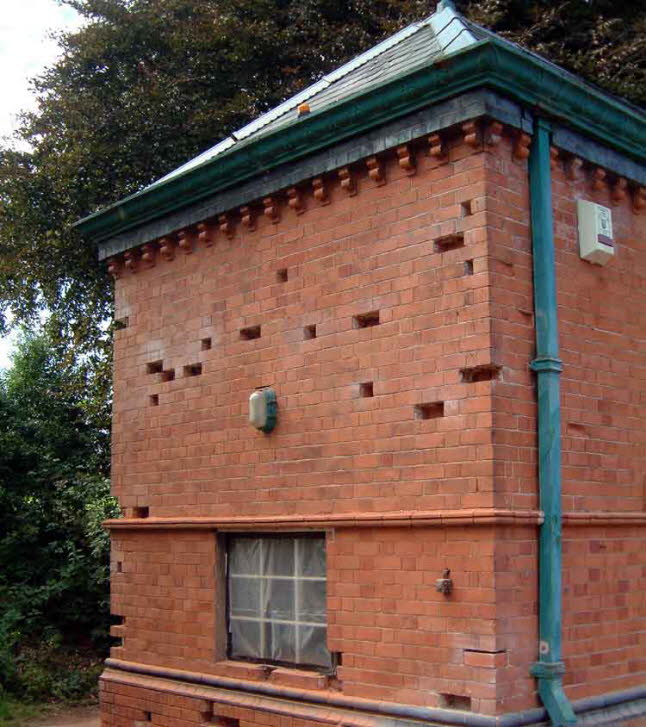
[[596, 243]]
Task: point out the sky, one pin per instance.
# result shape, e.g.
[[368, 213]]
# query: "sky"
[[26, 48]]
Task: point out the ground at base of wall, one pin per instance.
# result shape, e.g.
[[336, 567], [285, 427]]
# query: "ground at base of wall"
[[64, 717]]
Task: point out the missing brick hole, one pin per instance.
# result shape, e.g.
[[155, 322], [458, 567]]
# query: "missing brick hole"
[[282, 275], [366, 320], [576, 427], [141, 511], [193, 369], [468, 267], [309, 332], [148, 716], [366, 389], [430, 410], [117, 620], [249, 333], [155, 367], [168, 375], [455, 701], [153, 399], [449, 242], [485, 372], [205, 344], [119, 567], [466, 209], [121, 323], [223, 721]]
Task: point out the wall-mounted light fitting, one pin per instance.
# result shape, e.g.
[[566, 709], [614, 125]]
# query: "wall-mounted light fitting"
[[444, 584], [263, 409]]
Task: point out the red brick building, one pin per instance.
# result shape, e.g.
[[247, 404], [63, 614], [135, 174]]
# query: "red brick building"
[[395, 255]]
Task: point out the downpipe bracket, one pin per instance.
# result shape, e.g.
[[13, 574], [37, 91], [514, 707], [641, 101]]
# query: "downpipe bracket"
[[547, 669]]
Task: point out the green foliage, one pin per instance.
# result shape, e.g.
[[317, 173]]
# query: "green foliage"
[[13, 713], [51, 671], [602, 40], [144, 85], [54, 493]]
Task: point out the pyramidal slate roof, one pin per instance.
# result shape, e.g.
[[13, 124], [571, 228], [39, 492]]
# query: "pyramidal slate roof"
[[420, 44], [432, 61]]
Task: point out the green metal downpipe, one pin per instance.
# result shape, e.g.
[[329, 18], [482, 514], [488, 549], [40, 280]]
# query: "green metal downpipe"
[[549, 668]]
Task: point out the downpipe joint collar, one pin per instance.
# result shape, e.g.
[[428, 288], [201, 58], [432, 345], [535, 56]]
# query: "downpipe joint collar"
[[546, 363]]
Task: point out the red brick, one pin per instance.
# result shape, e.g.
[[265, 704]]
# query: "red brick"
[[332, 452]]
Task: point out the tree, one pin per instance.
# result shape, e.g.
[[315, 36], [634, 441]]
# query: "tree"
[[144, 86], [54, 494], [602, 40], [147, 84]]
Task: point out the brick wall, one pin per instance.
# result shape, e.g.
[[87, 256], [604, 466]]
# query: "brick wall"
[[444, 256], [604, 608], [164, 587], [602, 330], [333, 450], [402, 641], [603, 343]]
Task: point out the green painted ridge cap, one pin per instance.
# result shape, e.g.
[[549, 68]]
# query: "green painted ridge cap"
[[491, 63]]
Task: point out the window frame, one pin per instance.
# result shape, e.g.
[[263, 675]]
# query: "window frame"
[[229, 537]]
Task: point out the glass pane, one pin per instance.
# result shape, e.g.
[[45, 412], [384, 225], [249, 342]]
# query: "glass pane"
[[278, 599], [312, 601], [312, 556], [263, 583], [279, 557], [244, 596], [313, 649], [280, 642], [244, 556], [245, 639]]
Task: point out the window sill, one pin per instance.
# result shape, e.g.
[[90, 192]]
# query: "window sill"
[[281, 676]]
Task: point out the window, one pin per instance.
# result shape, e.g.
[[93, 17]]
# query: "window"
[[277, 599]]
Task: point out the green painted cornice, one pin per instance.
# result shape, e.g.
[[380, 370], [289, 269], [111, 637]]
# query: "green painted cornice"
[[490, 63]]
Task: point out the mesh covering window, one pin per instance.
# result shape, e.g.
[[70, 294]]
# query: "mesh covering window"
[[277, 602]]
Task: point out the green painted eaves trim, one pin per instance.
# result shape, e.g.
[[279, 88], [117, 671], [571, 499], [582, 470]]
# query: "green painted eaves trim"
[[489, 63]]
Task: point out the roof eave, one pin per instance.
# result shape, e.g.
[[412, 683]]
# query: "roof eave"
[[488, 63]]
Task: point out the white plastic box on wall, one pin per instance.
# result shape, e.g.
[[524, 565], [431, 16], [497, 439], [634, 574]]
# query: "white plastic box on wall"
[[596, 242]]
